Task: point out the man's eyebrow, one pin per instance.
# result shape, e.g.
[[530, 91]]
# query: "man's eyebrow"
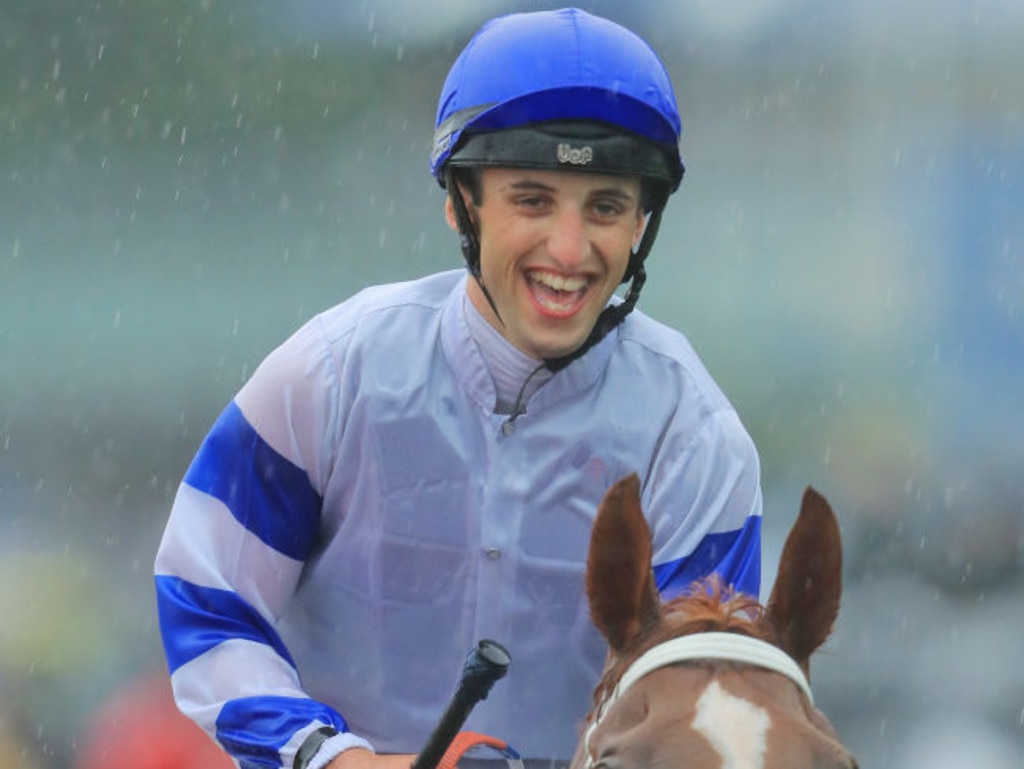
[[621, 193], [529, 184], [615, 192]]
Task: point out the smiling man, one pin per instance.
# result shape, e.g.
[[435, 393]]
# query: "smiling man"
[[557, 245], [418, 467]]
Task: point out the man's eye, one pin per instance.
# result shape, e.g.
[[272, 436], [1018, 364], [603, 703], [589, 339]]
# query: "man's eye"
[[607, 209]]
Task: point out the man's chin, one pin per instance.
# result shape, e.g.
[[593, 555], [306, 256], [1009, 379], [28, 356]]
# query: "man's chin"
[[547, 340], [560, 349]]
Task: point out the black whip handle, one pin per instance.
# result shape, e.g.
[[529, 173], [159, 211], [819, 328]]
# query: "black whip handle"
[[487, 663]]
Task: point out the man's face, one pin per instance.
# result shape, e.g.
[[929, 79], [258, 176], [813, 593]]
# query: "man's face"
[[553, 248]]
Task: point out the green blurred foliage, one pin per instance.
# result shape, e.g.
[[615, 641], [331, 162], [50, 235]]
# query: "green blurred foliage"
[[167, 70]]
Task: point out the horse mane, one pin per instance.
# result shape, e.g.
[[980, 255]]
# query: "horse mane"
[[707, 606]]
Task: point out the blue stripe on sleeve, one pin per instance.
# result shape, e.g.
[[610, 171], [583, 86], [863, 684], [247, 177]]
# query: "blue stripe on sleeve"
[[266, 493], [733, 555], [194, 619], [254, 729]]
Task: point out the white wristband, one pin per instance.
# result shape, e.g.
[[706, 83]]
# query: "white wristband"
[[334, 746]]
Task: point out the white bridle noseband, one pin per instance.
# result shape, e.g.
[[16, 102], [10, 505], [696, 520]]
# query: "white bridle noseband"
[[701, 646]]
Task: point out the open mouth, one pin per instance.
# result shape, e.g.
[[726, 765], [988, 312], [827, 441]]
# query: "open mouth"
[[557, 294]]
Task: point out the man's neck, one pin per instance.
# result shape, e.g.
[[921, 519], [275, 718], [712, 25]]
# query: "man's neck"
[[515, 374]]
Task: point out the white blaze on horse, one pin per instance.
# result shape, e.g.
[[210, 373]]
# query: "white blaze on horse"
[[711, 679]]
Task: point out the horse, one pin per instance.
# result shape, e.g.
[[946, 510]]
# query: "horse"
[[710, 679]]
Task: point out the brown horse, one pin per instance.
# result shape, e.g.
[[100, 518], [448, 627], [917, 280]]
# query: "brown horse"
[[711, 679]]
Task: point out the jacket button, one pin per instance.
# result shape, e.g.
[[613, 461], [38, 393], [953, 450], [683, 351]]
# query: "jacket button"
[[493, 553]]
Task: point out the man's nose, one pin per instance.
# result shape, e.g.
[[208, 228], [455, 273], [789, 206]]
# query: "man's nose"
[[569, 243]]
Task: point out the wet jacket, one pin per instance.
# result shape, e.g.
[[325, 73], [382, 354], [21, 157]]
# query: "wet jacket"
[[359, 517]]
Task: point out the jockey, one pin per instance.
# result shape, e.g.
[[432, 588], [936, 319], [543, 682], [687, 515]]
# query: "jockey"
[[418, 467], [582, 95]]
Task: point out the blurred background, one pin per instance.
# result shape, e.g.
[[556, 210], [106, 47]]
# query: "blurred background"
[[186, 181]]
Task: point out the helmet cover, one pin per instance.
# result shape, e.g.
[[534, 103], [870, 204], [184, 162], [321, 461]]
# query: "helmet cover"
[[558, 68]]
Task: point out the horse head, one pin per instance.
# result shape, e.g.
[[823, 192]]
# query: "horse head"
[[711, 679]]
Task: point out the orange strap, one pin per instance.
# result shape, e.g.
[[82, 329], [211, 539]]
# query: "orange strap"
[[465, 741]]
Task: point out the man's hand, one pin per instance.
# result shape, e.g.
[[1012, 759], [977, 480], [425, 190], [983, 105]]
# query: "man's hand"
[[360, 758]]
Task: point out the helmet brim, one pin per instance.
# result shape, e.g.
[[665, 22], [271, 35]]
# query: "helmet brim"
[[581, 146]]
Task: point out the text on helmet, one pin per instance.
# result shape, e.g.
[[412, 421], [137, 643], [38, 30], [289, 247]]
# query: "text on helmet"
[[577, 156]]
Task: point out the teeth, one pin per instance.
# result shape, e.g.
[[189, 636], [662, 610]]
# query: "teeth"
[[558, 282], [553, 305]]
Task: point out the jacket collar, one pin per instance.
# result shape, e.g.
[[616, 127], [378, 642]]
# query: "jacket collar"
[[470, 369]]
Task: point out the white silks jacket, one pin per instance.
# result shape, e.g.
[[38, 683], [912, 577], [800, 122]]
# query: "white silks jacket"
[[358, 519]]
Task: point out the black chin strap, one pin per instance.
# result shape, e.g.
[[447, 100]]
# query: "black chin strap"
[[469, 241], [610, 317]]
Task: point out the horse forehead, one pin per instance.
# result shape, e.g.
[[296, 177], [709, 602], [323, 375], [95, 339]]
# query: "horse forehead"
[[735, 727], [752, 720]]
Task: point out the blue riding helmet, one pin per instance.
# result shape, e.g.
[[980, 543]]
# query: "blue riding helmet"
[[561, 67], [560, 90]]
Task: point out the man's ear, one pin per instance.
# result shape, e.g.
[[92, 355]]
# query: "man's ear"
[[449, 214], [449, 208], [641, 225]]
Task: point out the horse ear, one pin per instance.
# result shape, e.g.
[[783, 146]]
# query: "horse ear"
[[624, 600], [804, 602]]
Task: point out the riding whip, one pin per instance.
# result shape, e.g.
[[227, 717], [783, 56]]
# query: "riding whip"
[[485, 664]]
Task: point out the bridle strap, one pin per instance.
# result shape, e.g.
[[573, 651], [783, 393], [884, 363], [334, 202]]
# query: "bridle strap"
[[728, 647]]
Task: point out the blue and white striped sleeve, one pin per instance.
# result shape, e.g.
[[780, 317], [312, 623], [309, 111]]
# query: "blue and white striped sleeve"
[[243, 522], [706, 509]]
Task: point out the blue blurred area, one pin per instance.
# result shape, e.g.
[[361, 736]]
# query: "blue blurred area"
[[983, 325], [185, 183]]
